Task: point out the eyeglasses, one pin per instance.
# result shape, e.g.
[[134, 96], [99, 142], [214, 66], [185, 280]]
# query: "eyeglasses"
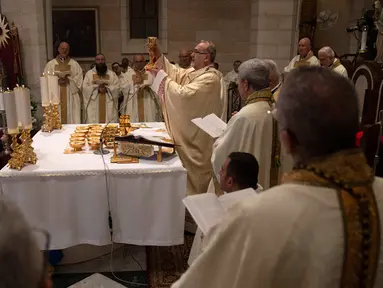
[[195, 51], [43, 236]]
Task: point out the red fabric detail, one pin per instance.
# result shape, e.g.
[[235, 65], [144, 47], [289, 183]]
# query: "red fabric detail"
[[161, 90], [359, 137]]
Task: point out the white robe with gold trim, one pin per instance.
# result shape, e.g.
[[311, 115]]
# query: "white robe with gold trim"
[[73, 89], [188, 94], [290, 236], [151, 103], [313, 61], [340, 69], [91, 98], [251, 131]]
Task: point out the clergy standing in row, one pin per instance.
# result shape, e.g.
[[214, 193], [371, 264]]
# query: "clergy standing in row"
[[141, 103], [251, 129], [184, 59], [322, 226], [70, 82], [100, 91], [232, 76], [305, 57], [327, 59], [185, 95]]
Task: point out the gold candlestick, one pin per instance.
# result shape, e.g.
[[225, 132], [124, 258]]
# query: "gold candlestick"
[[56, 122], [29, 153], [17, 156], [152, 46], [47, 127]]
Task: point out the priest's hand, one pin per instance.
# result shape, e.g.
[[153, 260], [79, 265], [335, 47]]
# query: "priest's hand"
[[235, 112], [154, 72], [63, 81], [102, 88]]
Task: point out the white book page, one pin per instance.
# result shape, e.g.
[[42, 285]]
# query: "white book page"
[[211, 124], [230, 199], [205, 209]]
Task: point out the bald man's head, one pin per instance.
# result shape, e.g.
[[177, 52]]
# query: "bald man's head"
[[184, 58], [63, 49], [318, 113], [139, 62], [304, 47]]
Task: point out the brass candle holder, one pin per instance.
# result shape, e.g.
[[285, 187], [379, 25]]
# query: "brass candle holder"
[[56, 121], [47, 126], [28, 151], [17, 160]]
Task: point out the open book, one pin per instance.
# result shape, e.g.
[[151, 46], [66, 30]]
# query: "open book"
[[211, 124], [208, 210]]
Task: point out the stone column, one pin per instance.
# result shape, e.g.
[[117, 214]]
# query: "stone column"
[[29, 19], [274, 30], [48, 30]]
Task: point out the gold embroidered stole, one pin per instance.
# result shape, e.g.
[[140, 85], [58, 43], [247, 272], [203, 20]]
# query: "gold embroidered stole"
[[267, 95], [335, 64], [101, 99], [349, 174], [140, 97], [62, 67], [304, 61]]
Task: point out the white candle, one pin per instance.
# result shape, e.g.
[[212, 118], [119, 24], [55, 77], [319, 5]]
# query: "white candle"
[[44, 91], [2, 107], [19, 104], [53, 84], [26, 119], [10, 112]]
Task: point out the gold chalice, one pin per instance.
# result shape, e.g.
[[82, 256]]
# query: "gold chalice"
[[81, 130], [94, 145], [78, 134], [77, 139], [77, 145], [94, 139], [94, 125]]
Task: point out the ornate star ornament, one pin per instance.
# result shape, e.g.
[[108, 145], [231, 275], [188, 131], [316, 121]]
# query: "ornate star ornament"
[[4, 32]]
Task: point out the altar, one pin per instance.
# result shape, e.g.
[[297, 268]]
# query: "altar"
[[83, 198]]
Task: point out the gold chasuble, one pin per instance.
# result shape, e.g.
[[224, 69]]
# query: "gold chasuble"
[[101, 98], [304, 61], [348, 173], [63, 67]]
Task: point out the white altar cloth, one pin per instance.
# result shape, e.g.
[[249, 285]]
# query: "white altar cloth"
[[66, 194]]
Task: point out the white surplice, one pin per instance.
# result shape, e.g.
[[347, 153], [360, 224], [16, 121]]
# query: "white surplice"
[[91, 98], [73, 89], [290, 236], [231, 76], [151, 104], [251, 131], [339, 68], [311, 61]]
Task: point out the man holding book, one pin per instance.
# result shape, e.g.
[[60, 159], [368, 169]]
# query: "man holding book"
[[251, 129], [323, 226]]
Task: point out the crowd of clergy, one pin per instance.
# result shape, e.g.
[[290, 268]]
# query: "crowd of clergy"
[[315, 219]]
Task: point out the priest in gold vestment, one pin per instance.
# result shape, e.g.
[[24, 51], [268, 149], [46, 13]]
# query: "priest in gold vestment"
[[188, 94], [251, 129], [305, 57], [70, 83], [140, 102], [327, 59], [322, 227], [101, 89]]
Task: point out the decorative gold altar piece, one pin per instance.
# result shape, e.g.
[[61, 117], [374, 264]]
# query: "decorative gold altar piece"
[[122, 159], [22, 153], [152, 45], [56, 121], [17, 157], [77, 145], [29, 153], [47, 126]]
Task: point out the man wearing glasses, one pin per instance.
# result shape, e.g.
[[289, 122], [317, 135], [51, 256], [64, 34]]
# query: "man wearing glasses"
[[187, 94]]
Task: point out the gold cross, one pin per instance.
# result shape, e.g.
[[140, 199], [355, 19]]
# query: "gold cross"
[[143, 75]]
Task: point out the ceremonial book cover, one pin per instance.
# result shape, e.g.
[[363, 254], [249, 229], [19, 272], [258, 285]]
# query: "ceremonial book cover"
[[211, 124], [208, 210]]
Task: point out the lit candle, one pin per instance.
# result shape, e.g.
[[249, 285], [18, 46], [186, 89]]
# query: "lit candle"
[[10, 112], [2, 107], [53, 86], [44, 91]]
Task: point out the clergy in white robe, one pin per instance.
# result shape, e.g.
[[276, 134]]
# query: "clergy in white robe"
[[251, 129], [184, 59], [100, 90], [305, 57], [140, 102], [189, 94], [322, 227], [232, 76], [327, 59], [70, 82]]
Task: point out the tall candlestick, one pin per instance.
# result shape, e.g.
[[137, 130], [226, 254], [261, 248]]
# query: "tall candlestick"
[[19, 104], [10, 110], [45, 101], [26, 120]]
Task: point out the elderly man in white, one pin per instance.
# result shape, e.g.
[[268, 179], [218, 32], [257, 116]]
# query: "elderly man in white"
[[327, 59]]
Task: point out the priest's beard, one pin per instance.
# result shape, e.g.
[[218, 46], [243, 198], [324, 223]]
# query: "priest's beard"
[[101, 69]]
